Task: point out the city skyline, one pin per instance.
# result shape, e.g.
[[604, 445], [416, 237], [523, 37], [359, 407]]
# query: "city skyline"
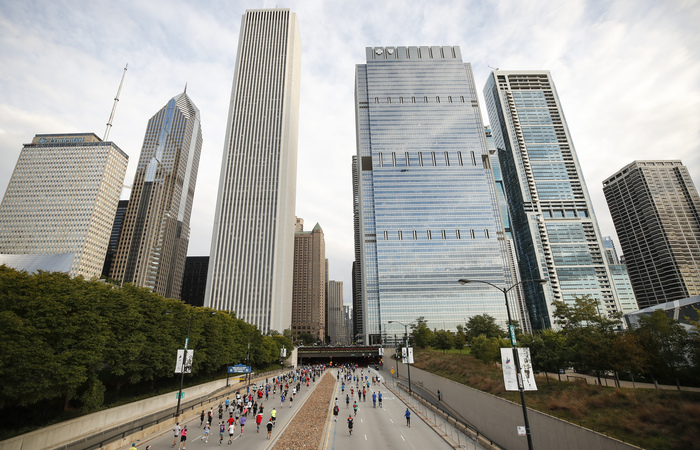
[[598, 53]]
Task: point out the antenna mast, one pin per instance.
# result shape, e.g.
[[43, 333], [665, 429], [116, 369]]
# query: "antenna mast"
[[114, 108]]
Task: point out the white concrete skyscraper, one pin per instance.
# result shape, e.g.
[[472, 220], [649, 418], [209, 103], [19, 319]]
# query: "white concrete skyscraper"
[[252, 250], [156, 231], [59, 207]]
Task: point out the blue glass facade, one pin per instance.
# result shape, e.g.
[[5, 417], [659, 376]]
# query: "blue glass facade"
[[428, 208], [553, 224]]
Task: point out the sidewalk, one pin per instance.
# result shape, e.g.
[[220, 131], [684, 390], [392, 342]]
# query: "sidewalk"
[[570, 375]]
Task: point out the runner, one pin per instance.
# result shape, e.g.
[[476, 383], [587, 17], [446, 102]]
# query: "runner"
[[291, 400], [183, 438], [347, 401], [380, 398], [231, 431], [258, 420], [176, 432], [354, 407], [336, 410], [364, 395], [269, 428], [408, 417], [207, 428], [350, 423], [374, 399], [222, 430], [201, 419], [273, 416], [243, 420]]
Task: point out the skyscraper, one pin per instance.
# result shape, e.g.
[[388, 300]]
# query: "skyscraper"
[[428, 212], [156, 230], [194, 280], [553, 224], [114, 237], [60, 203], [252, 251], [309, 286], [655, 208], [335, 313]]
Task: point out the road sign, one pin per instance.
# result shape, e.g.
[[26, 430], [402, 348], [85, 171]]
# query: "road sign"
[[522, 431], [239, 368], [511, 329], [180, 395], [392, 371]]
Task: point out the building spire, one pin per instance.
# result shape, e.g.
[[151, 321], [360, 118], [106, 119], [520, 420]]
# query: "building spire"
[[185, 88]]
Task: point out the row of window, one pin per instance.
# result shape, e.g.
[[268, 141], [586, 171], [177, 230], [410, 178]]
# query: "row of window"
[[432, 159], [442, 234], [425, 100]]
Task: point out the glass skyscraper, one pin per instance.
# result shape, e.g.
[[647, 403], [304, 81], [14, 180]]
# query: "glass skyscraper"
[[428, 210], [252, 249], [156, 230], [554, 228]]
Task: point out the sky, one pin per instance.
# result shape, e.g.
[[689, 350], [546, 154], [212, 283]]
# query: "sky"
[[627, 74]]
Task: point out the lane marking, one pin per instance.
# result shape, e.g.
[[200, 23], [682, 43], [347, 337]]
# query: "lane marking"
[[365, 437], [402, 438], [391, 420]]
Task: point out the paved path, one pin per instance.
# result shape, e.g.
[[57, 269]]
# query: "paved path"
[[570, 375]]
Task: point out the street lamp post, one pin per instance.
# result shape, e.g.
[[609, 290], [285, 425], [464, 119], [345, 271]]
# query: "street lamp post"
[[516, 358], [184, 360], [408, 365]]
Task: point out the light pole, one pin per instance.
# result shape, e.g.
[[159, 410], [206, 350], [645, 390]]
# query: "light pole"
[[408, 365], [184, 359], [516, 358]]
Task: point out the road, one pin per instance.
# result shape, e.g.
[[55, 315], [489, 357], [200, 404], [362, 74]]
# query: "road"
[[375, 428], [380, 428]]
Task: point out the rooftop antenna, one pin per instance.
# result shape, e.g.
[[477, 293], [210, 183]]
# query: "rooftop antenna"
[[185, 87], [494, 68], [114, 108]]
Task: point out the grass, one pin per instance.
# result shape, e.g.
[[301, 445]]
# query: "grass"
[[648, 418]]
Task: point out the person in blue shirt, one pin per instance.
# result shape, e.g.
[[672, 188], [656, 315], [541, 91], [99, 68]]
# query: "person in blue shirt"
[[380, 398], [408, 417], [374, 399]]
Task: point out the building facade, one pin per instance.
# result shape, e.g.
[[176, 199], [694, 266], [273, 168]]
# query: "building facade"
[[114, 237], [428, 211], [252, 251], [61, 200], [654, 206], [156, 231], [335, 323], [309, 286], [553, 224], [194, 280]]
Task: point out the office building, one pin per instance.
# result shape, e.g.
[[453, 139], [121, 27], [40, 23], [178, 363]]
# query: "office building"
[[59, 207], [309, 286], [357, 308], [428, 210], [335, 323], [252, 251], [620, 277], [114, 237], [553, 224], [156, 231], [194, 280], [654, 206]]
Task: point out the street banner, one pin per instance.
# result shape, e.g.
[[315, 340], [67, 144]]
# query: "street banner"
[[407, 355], [188, 363], [526, 372], [240, 368]]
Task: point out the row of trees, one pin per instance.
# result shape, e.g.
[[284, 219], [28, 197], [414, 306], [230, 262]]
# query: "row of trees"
[[659, 349], [72, 339]]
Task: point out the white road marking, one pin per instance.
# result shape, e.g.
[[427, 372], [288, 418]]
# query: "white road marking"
[[402, 438], [391, 420], [365, 437]]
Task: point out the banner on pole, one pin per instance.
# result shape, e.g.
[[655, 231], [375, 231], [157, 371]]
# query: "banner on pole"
[[510, 377], [407, 355], [188, 363]]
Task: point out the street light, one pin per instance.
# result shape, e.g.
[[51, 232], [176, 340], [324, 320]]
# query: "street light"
[[184, 358], [408, 365], [516, 358]]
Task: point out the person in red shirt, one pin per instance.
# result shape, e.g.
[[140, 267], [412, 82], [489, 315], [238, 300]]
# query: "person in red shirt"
[[258, 420]]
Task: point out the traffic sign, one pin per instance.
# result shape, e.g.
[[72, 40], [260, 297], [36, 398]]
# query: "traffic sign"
[[239, 368]]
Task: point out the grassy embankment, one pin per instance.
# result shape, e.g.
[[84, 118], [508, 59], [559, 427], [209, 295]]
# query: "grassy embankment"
[[648, 418]]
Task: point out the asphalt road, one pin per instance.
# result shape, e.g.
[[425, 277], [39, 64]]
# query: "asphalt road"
[[380, 428]]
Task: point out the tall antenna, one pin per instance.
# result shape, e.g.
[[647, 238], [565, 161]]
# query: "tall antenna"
[[114, 108]]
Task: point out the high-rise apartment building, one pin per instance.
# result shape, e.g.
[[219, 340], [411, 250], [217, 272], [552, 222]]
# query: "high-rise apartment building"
[[428, 211], [620, 277], [309, 286], [357, 307], [61, 200], [156, 231], [114, 237], [553, 224], [252, 251], [335, 323], [655, 208]]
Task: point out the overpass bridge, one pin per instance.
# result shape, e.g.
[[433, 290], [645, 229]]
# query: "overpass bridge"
[[362, 356]]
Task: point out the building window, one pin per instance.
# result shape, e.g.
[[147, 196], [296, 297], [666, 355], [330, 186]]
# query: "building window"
[[430, 236], [444, 235], [400, 235], [415, 235], [386, 235], [420, 158], [447, 159], [408, 164], [472, 233], [459, 156], [434, 163], [473, 159], [458, 236], [486, 233]]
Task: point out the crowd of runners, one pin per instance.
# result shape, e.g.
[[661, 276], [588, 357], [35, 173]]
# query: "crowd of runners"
[[249, 404]]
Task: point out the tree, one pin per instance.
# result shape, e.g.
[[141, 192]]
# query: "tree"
[[422, 335], [666, 343], [443, 340], [488, 349], [548, 350], [460, 338], [483, 324]]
